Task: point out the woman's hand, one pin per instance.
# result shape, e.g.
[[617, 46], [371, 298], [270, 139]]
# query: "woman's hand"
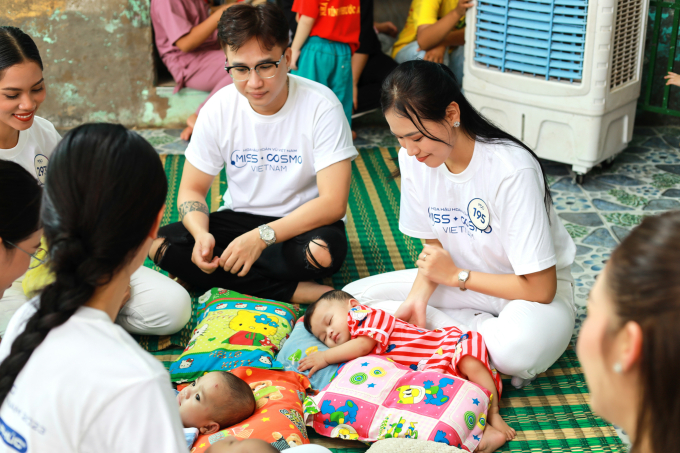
[[436, 264], [202, 253], [315, 361], [242, 253], [413, 313], [436, 54]]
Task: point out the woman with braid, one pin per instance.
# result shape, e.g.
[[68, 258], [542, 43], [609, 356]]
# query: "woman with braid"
[[70, 378], [156, 305]]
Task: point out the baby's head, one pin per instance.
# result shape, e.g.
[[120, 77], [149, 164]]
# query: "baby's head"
[[214, 401], [326, 318]]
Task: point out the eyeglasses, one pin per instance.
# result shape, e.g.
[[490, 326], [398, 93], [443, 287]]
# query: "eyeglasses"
[[265, 70], [37, 258]]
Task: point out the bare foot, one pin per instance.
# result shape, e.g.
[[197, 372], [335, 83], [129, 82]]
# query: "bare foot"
[[308, 292], [492, 440], [497, 422], [191, 122]]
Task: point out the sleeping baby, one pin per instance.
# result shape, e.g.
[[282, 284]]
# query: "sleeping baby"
[[352, 330], [215, 401]]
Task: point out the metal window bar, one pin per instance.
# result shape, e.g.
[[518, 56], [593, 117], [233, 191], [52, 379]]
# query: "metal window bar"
[[656, 9]]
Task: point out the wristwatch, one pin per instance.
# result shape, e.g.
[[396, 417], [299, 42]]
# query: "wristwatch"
[[267, 234], [462, 278]]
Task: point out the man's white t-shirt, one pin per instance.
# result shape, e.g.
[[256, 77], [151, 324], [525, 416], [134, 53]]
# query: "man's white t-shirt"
[[271, 160], [34, 149], [518, 238], [88, 387]]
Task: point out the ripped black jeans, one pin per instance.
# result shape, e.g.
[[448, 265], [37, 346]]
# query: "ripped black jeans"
[[276, 273]]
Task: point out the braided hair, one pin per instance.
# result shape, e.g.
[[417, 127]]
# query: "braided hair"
[[104, 188]]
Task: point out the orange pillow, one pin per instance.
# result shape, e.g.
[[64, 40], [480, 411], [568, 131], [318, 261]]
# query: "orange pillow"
[[278, 418]]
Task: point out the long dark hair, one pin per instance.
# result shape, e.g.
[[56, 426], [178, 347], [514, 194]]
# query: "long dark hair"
[[422, 90], [104, 188], [644, 281], [20, 196], [16, 47]]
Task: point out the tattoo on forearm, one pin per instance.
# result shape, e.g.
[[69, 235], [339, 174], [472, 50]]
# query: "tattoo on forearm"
[[190, 206]]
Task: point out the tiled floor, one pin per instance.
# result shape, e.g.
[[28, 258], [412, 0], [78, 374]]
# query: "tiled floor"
[[643, 180]]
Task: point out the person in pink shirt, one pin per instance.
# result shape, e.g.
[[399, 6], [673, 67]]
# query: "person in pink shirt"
[[186, 38]]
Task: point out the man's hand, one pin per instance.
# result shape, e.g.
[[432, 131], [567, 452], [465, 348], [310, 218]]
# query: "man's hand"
[[412, 313], [387, 28], [436, 54], [315, 361], [202, 255], [242, 253], [436, 264]]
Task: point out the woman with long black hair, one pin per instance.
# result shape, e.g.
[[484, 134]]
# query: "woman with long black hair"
[[496, 257], [155, 304], [71, 379], [628, 345]]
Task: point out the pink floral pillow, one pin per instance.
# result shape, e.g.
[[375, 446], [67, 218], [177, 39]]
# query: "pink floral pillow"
[[373, 398]]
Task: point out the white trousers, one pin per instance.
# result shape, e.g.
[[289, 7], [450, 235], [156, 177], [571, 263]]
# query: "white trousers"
[[523, 338], [157, 305]]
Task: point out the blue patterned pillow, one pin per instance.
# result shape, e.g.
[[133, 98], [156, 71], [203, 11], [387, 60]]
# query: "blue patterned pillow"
[[300, 344]]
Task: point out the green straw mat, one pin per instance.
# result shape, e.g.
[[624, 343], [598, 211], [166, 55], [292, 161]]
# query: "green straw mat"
[[550, 415]]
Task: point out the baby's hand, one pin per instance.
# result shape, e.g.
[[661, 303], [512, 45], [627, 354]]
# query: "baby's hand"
[[316, 361], [672, 79]]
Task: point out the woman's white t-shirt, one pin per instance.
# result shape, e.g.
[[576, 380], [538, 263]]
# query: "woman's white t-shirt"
[[88, 387], [271, 160], [520, 237], [34, 148]]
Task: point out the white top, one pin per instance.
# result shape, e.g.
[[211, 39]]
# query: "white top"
[[271, 160], [34, 148], [519, 239], [88, 387]]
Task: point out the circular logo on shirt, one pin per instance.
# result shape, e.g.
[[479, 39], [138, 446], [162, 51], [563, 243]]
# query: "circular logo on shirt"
[[40, 163], [478, 212], [239, 159]]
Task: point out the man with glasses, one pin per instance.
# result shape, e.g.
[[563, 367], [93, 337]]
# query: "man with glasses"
[[287, 149]]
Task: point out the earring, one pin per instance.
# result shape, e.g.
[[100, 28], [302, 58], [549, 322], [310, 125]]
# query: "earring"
[[456, 124], [618, 368]]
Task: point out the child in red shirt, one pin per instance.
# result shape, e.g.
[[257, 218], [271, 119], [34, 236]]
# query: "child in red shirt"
[[327, 35]]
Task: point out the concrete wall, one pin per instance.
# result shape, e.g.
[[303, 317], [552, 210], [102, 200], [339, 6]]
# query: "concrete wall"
[[98, 58], [98, 62]]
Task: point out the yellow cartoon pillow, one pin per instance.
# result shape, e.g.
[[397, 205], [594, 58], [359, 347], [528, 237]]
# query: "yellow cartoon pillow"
[[234, 330]]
